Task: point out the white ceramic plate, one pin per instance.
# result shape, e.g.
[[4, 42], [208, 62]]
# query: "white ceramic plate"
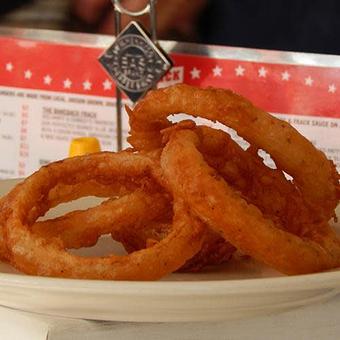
[[240, 289]]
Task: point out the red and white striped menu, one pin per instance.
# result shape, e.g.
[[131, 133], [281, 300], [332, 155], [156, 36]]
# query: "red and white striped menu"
[[53, 89]]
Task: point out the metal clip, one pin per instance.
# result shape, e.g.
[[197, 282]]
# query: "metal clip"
[[149, 8]]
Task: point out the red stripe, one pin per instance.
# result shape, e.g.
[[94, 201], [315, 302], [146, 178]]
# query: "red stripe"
[[79, 64]]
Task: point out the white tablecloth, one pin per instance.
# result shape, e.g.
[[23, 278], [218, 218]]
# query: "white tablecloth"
[[320, 321]]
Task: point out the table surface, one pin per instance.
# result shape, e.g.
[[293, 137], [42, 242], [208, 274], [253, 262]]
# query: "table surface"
[[320, 321]]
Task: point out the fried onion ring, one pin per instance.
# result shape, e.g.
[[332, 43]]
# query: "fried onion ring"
[[130, 221], [47, 257], [292, 153], [268, 189], [79, 228], [240, 223], [214, 251], [62, 193]]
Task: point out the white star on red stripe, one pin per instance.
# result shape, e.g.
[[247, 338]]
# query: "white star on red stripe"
[[239, 71], [309, 81], [195, 73], [87, 85], [285, 76], [107, 85], [262, 72], [217, 71], [331, 88], [9, 67], [67, 83], [28, 74], [47, 79]]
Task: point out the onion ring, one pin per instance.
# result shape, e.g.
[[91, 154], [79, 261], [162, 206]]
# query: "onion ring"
[[130, 221], [214, 251], [35, 255], [268, 189], [82, 228], [62, 193], [292, 153], [59, 194], [240, 223]]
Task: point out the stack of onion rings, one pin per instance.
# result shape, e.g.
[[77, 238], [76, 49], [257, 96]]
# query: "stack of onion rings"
[[311, 170], [185, 197]]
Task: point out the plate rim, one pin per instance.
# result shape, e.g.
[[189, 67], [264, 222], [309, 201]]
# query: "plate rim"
[[305, 282]]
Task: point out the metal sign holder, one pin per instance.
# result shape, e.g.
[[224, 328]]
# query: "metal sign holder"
[[119, 10]]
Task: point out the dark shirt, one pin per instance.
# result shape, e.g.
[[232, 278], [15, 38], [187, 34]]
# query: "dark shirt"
[[7, 6], [310, 26]]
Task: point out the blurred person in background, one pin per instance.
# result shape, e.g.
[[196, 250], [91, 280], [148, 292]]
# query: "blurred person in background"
[[296, 25], [176, 19], [43, 14]]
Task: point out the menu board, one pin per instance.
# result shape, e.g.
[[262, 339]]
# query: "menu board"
[[36, 126], [54, 91]]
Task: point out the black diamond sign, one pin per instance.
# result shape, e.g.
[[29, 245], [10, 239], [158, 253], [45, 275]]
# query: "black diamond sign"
[[134, 62]]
